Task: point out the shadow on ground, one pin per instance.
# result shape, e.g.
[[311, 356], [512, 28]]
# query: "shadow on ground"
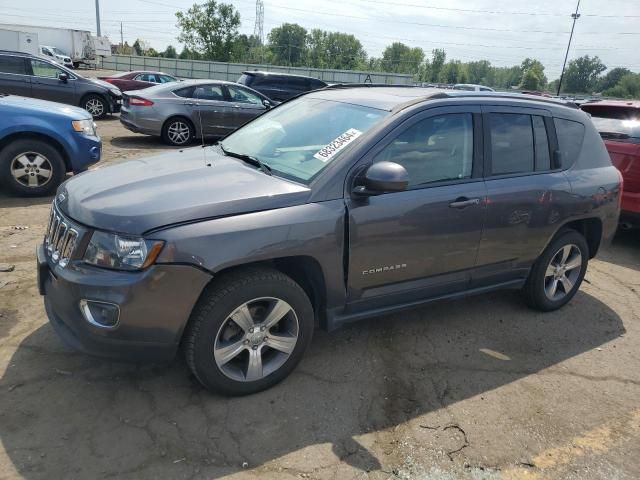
[[67, 415], [624, 250], [144, 142]]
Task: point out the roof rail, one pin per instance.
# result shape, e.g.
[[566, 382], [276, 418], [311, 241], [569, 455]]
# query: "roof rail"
[[357, 85]]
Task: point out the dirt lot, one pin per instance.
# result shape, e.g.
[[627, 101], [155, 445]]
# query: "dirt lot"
[[480, 388]]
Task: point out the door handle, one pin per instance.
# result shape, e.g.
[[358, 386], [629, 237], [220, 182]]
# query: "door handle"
[[190, 104], [464, 202]]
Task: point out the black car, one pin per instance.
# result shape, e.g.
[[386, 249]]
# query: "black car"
[[280, 86], [341, 204], [31, 76]]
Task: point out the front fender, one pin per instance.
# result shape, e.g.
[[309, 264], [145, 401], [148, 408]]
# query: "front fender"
[[314, 230]]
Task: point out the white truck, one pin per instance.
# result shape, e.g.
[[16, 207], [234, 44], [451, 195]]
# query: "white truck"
[[19, 41], [79, 45]]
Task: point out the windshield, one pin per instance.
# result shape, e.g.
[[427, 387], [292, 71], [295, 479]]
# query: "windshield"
[[301, 138]]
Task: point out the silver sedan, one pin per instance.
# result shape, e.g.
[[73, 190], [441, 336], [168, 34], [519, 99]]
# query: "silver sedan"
[[180, 112]]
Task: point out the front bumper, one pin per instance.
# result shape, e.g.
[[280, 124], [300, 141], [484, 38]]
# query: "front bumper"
[[155, 305], [85, 151], [115, 103]]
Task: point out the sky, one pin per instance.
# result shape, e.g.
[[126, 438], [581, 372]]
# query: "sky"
[[502, 31]]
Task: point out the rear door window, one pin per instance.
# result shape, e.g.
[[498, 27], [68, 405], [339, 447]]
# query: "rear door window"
[[15, 65], [511, 143]]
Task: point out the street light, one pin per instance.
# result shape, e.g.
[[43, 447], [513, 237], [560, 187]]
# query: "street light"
[[575, 17]]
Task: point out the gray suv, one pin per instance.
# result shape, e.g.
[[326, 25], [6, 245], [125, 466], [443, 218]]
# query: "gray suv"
[[30, 76], [345, 203]]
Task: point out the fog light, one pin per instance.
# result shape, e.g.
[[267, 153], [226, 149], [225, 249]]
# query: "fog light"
[[100, 314]]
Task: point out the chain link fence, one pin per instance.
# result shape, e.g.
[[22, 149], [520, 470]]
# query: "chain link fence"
[[232, 71]]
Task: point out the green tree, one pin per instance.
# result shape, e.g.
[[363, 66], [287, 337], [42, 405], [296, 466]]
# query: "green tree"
[[287, 44], [400, 58], [531, 80], [209, 29], [478, 71], [344, 51], [533, 70], [137, 47], [627, 87], [170, 52], [612, 78], [438, 59], [581, 75], [454, 71], [151, 52]]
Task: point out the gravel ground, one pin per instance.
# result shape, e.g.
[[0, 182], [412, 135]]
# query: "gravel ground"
[[477, 388]]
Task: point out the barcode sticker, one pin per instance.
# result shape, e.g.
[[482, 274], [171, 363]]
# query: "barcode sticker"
[[327, 153]]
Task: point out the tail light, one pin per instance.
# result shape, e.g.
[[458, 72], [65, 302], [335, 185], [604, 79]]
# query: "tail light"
[[140, 102], [621, 189]]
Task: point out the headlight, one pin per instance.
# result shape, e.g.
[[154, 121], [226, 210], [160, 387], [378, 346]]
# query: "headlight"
[[121, 253], [88, 127]]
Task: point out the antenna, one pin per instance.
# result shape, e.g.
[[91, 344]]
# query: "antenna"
[[204, 151]]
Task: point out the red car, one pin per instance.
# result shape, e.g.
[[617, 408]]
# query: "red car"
[[618, 122], [138, 80]]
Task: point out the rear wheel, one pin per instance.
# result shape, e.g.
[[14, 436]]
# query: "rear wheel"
[[95, 105], [248, 332], [178, 132], [31, 167], [557, 274]]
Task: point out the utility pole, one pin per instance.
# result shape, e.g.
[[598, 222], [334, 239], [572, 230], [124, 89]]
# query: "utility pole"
[[98, 17], [121, 39], [575, 17]]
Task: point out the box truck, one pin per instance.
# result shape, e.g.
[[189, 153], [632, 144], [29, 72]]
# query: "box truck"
[[19, 41], [79, 45]]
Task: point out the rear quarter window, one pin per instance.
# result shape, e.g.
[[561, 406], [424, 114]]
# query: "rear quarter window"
[[186, 92], [570, 137]]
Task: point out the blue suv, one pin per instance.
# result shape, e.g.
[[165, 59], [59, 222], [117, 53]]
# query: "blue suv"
[[41, 141]]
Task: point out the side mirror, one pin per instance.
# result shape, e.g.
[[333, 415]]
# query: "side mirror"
[[383, 177], [63, 77], [267, 103]]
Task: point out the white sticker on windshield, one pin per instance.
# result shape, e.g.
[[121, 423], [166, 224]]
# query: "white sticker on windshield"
[[326, 153]]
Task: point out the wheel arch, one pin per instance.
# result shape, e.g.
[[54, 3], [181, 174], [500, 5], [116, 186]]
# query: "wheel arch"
[[591, 229], [305, 270], [5, 141]]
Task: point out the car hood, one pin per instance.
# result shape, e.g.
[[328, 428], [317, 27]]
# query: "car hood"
[[145, 194], [33, 105], [102, 83]]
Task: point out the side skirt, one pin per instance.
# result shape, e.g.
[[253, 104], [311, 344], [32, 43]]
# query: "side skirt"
[[337, 317]]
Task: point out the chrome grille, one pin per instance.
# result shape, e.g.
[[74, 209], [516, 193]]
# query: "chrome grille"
[[60, 238]]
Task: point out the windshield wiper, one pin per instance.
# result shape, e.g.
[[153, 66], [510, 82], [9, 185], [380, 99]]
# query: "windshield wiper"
[[255, 161]]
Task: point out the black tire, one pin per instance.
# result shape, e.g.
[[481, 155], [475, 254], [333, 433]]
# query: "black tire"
[[76, 65], [180, 124], [29, 152], [535, 291], [211, 314], [96, 105]]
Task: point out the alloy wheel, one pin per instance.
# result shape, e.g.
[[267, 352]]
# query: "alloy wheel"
[[256, 339], [178, 132], [95, 107], [31, 169], [562, 272]]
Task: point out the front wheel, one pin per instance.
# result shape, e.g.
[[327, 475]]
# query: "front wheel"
[[248, 331], [95, 105], [31, 168], [557, 274]]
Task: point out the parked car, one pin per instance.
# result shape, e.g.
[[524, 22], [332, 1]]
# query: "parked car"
[[31, 76], [619, 125], [279, 86], [40, 142], [180, 112], [470, 87], [56, 55], [138, 80], [341, 204]]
